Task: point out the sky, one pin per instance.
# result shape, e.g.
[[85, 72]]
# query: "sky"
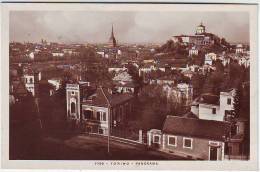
[[129, 26]]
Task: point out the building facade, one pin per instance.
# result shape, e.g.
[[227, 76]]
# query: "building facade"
[[95, 109], [31, 80], [214, 107], [192, 138]]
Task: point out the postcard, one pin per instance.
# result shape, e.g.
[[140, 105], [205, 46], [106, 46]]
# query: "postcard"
[[129, 86]]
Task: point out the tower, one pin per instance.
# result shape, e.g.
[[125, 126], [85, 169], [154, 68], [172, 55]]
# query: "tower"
[[73, 101], [112, 39], [31, 80], [201, 29]]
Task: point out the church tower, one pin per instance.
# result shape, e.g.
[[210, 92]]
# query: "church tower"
[[112, 39]]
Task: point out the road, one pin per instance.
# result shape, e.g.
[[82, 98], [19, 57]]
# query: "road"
[[89, 147]]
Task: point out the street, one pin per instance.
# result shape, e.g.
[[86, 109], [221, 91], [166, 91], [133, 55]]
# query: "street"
[[95, 148]]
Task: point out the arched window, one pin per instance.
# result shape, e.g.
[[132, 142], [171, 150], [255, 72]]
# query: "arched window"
[[31, 80], [73, 107]]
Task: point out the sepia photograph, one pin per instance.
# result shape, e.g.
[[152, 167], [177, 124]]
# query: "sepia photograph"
[[130, 85]]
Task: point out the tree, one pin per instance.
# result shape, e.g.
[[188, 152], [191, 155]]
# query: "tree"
[[219, 66], [197, 81], [152, 106], [237, 100], [213, 82]]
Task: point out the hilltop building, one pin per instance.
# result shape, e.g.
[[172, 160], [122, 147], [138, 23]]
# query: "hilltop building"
[[201, 37]]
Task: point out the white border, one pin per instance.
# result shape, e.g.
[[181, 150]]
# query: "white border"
[[252, 164]]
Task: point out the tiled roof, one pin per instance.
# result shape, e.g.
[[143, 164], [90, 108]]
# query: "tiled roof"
[[191, 127], [209, 99], [99, 98]]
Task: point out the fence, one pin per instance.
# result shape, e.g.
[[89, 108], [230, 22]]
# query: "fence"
[[126, 133]]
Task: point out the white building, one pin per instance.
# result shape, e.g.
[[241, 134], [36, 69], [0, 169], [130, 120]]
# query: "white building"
[[201, 29], [210, 57], [149, 68], [117, 69], [102, 53], [239, 49], [244, 61], [57, 54], [183, 92], [31, 80], [193, 51], [213, 107], [225, 61], [186, 92], [56, 82], [123, 76], [31, 55]]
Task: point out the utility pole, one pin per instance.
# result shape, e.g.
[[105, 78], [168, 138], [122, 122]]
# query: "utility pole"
[[108, 120]]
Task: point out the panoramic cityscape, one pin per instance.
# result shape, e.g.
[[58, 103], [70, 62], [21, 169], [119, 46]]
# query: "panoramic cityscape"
[[138, 91]]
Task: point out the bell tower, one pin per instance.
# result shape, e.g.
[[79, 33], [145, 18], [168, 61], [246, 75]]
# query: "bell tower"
[[73, 101]]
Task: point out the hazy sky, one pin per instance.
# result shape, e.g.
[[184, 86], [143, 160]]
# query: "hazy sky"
[[129, 27]]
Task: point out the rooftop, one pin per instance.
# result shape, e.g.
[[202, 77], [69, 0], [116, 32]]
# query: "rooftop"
[[209, 98], [191, 127], [98, 98]]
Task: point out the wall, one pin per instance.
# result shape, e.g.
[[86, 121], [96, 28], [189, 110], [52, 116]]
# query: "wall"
[[205, 112], [223, 102], [195, 110]]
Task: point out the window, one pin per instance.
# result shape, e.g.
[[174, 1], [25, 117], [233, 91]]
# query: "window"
[[156, 139], [229, 101], [72, 93], [104, 116], [88, 114], [100, 131], [31, 80], [213, 110], [99, 116], [73, 107], [187, 143], [172, 140]]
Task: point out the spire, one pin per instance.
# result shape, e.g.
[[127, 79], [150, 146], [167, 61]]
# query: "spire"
[[112, 39], [112, 32]]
